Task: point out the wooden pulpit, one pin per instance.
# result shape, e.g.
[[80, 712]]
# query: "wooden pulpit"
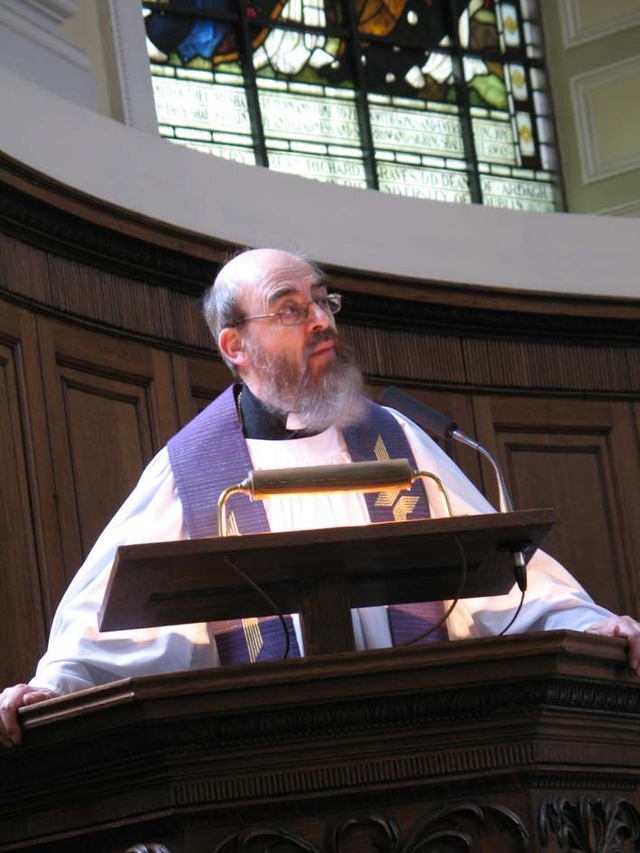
[[498, 745], [517, 743]]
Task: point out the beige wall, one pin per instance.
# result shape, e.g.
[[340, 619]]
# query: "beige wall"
[[85, 32], [593, 56]]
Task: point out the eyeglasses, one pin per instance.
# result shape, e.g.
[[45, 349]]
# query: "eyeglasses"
[[297, 312]]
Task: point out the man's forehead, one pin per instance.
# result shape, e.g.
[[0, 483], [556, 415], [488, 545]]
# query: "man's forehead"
[[274, 274], [284, 281], [257, 263]]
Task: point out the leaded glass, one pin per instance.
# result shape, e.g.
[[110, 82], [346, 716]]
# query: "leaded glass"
[[440, 99]]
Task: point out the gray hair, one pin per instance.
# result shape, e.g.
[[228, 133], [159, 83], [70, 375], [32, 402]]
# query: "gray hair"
[[221, 307]]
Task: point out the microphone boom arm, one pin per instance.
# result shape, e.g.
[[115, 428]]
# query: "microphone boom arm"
[[506, 504], [442, 427]]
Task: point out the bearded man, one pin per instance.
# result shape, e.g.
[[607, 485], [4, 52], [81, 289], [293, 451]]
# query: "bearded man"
[[299, 403]]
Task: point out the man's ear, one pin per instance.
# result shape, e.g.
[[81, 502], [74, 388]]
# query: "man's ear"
[[231, 346]]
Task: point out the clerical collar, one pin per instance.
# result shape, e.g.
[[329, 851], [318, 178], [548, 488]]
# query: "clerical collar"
[[258, 421]]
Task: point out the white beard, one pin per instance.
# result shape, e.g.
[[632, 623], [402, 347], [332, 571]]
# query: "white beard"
[[332, 398]]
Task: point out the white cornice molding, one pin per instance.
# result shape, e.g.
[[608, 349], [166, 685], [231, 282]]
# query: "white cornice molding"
[[594, 166], [38, 23], [48, 13], [126, 24], [574, 31], [338, 226], [632, 208]]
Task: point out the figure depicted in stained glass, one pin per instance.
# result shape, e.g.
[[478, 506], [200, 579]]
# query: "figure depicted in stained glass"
[[411, 96], [401, 59], [189, 37]]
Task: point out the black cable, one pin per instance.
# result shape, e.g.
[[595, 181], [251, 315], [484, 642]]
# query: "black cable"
[[514, 617], [270, 602], [449, 611]]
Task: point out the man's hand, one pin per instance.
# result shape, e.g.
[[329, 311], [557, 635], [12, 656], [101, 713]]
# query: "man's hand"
[[13, 698], [622, 626]]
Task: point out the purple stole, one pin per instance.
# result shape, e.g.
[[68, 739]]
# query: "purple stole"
[[210, 453]]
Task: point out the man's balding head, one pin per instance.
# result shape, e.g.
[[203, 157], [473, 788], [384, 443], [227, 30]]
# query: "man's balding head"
[[223, 301]]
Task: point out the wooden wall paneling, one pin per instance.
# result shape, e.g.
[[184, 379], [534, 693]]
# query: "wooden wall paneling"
[[624, 446], [459, 407], [547, 365], [188, 325], [26, 525], [110, 407], [581, 457], [420, 363], [198, 381], [102, 295], [633, 358], [409, 355], [23, 269]]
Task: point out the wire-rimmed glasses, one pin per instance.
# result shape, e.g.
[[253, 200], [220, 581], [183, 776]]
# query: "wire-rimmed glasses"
[[295, 313]]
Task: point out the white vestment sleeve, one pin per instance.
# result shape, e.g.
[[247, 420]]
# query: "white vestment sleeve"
[[79, 656], [554, 598]]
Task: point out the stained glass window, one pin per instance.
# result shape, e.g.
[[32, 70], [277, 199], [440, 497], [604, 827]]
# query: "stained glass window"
[[438, 99]]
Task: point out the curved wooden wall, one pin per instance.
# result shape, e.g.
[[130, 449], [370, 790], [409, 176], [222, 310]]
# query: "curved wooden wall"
[[104, 354]]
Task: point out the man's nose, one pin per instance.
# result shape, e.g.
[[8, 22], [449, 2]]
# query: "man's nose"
[[318, 317]]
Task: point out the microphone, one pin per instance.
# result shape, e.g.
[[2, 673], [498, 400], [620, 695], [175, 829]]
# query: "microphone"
[[441, 426], [435, 423]]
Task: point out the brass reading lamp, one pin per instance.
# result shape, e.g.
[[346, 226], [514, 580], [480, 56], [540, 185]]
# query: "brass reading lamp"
[[350, 477]]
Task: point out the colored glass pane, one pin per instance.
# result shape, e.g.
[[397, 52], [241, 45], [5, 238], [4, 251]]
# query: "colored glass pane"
[[441, 99], [477, 27], [517, 78], [494, 141], [411, 22], [406, 73]]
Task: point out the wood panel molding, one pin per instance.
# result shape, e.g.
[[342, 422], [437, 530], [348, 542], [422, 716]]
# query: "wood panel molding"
[[593, 127], [22, 606], [44, 214], [585, 455], [110, 407], [575, 32], [336, 755], [67, 223]]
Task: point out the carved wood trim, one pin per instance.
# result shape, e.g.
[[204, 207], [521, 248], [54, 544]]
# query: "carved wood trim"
[[36, 486], [322, 742], [590, 824], [448, 828], [80, 257], [250, 732], [67, 223]]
